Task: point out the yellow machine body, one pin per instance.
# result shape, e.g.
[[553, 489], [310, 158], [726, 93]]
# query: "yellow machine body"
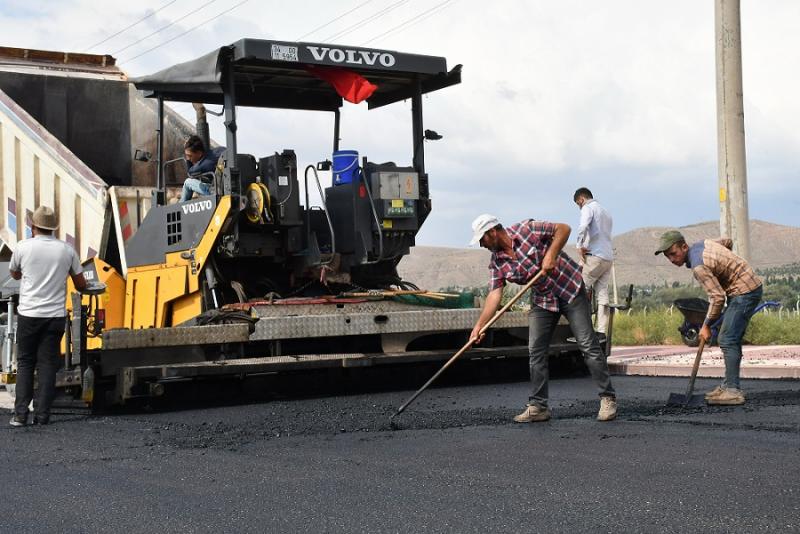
[[169, 293], [112, 302]]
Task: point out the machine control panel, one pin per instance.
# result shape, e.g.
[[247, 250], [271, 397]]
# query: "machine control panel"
[[399, 208], [389, 185]]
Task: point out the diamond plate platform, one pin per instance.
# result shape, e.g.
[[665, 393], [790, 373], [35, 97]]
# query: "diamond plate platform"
[[353, 322], [176, 336]]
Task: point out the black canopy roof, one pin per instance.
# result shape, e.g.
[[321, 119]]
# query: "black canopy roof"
[[273, 74]]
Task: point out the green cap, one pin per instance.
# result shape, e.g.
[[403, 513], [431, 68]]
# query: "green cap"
[[667, 240]]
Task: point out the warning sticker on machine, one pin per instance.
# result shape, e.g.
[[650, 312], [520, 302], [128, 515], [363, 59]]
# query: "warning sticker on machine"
[[284, 53]]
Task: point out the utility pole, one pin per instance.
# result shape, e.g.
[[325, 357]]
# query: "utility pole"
[[734, 220]]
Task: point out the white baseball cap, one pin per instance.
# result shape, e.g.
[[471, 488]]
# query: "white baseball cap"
[[481, 225]]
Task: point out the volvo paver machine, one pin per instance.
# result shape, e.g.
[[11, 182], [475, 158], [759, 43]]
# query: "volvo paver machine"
[[253, 238], [253, 247]]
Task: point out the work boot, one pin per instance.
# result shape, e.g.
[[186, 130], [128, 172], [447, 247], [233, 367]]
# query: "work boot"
[[714, 392], [19, 420], [532, 414], [727, 397], [608, 409]]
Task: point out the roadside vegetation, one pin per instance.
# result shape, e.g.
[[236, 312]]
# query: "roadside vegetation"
[[653, 319], [660, 327]]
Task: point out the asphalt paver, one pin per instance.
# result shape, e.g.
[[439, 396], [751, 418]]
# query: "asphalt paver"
[[455, 463]]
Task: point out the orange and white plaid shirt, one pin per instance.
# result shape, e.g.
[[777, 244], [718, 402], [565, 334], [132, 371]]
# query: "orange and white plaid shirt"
[[721, 272]]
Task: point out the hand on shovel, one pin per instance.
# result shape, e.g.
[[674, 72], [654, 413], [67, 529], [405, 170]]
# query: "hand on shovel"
[[705, 333]]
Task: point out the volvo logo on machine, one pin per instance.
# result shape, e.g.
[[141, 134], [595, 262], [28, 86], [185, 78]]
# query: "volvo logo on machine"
[[197, 207], [351, 57]]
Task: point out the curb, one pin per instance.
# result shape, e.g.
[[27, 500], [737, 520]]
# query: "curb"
[[765, 362]]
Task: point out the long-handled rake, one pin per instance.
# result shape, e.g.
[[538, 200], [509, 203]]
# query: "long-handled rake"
[[469, 343]]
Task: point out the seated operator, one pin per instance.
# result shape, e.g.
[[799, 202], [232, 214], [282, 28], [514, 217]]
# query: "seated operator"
[[200, 164]]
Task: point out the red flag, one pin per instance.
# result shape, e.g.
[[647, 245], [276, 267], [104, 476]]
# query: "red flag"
[[350, 85]]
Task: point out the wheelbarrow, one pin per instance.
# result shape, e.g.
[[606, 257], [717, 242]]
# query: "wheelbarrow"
[[694, 312]]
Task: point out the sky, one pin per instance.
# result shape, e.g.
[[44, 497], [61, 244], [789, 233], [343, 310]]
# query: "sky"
[[618, 96]]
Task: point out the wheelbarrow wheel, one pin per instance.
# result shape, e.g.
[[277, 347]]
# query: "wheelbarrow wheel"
[[691, 337]]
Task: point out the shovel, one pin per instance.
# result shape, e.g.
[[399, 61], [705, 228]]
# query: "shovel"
[[469, 343], [688, 400]]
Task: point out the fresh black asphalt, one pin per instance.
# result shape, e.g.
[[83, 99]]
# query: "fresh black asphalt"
[[456, 463]]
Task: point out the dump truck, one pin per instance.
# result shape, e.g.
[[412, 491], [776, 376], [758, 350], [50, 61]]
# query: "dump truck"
[[67, 125], [251, 278]]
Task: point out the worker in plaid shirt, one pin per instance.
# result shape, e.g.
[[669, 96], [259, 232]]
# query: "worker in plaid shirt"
[[518, 252], [722, 274]]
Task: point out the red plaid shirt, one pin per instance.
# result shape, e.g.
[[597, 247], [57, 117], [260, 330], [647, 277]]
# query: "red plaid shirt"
[[530, 240]]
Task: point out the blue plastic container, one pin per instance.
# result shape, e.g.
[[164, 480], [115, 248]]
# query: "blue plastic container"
[[345, 166]]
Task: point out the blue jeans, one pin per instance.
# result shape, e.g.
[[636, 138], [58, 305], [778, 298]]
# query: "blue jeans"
[[192, 186], [737, 316], [542, 323]]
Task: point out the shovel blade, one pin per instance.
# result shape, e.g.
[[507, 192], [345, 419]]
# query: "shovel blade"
[[680, 400]]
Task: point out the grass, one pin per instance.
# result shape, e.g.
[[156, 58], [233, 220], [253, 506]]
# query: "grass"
[[773, 329], [647, 328], [659, 327]]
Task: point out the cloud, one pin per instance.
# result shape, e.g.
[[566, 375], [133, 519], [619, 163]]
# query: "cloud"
[[617, 95]]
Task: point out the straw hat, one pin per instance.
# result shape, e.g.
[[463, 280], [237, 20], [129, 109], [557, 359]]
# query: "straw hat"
[[45, 218]]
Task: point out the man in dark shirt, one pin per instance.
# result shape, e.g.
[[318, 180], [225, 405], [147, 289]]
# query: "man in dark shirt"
[[199, 162], [518, 252]]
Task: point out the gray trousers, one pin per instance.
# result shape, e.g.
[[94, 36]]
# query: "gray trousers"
[[542, 324], [37, 349]]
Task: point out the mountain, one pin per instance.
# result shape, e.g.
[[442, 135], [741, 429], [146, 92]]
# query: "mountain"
[[440, 267], [771, 245]]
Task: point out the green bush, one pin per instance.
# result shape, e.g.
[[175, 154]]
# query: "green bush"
[[647, 328], [774, 329], [652, 323], [659, 327]]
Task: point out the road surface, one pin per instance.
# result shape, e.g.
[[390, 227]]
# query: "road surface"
[[456, 464]]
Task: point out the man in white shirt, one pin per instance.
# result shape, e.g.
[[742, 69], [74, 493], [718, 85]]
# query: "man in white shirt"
[[596, 252], [42, 263]]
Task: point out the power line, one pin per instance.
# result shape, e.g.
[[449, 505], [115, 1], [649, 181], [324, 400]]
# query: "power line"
[[161, 29], [359, 24], [123, 30], [410, 22], [315, 30], [187, 31]]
